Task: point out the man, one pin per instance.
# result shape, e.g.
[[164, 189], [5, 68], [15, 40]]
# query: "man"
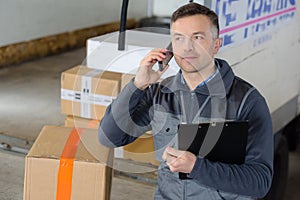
[[205, 89]]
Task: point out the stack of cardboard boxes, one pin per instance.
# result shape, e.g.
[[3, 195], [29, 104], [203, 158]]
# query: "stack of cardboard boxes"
[[68, 162], [85, 95]]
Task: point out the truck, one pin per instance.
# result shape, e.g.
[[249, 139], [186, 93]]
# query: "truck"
[[261, 41]]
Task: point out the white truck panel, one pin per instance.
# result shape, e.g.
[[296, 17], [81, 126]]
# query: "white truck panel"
[[167, 7], [269, 58], [273, 67]]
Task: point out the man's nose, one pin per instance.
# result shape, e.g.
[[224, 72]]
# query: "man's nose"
[[188, 45]]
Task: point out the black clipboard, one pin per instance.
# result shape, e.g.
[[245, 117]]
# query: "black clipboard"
[[217, 141]]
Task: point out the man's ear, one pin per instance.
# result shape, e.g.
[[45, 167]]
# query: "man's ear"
[[218, 43]]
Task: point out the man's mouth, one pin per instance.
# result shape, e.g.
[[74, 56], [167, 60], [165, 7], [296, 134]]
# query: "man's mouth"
[[189, 58]]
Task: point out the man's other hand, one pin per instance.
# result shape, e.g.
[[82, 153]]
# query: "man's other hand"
[[179, 161]]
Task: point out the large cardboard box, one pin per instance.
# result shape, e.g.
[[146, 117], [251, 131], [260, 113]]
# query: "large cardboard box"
[[67, 163], [87, 92], [141, 150]]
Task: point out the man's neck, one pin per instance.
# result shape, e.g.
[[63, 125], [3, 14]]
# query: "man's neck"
[[196, 78]]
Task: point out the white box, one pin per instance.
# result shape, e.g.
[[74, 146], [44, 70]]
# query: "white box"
[[103, 53]]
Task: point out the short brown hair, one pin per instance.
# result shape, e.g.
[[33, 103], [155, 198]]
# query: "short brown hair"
[[197, 9]]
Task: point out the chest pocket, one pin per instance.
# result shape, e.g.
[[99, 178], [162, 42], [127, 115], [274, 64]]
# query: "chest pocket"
[[164, 128]]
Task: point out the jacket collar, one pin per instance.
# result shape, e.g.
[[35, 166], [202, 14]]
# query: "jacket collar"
[[219, 85]]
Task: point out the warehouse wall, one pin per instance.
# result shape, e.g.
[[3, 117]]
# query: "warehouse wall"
[[167, 7], [23, 20]]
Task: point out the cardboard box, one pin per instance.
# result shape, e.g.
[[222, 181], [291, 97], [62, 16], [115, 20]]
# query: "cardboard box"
[[67, 162], [125, 79], [141, 150], [72, 121], [87, 92]]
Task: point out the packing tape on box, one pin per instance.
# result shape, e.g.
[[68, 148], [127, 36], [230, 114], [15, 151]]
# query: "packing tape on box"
[[86, 94], [96, 99], [65, 172], [86, 100], [86, 87]]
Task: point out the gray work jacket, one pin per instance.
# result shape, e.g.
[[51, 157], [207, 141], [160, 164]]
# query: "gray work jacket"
[[164, 105]]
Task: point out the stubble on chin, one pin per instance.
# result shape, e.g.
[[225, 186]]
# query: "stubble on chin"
[[188, 67]]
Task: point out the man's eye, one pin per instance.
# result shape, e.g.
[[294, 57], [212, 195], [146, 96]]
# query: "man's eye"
[[178, 38], [198, 37]]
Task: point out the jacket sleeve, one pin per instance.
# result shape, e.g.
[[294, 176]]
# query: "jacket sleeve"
[[126, 118], [254, 177]]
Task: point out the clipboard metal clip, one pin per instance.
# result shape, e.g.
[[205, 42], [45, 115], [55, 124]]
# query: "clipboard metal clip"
[[213, 124]]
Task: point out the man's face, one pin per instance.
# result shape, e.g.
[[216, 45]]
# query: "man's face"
[[193, 43]]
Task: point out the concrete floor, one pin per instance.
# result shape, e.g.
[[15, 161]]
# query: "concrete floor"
[[30, 94], [30, 99]]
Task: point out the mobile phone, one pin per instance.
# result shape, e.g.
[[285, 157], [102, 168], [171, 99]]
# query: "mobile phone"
[[169, 54]]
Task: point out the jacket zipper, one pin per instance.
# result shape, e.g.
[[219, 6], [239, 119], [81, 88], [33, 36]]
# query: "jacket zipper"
[[184, 190]]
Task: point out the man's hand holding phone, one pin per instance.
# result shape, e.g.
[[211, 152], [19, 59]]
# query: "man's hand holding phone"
[[145, 75]]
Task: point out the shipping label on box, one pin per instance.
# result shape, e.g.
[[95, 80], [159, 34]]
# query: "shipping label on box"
[[68, 163]]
